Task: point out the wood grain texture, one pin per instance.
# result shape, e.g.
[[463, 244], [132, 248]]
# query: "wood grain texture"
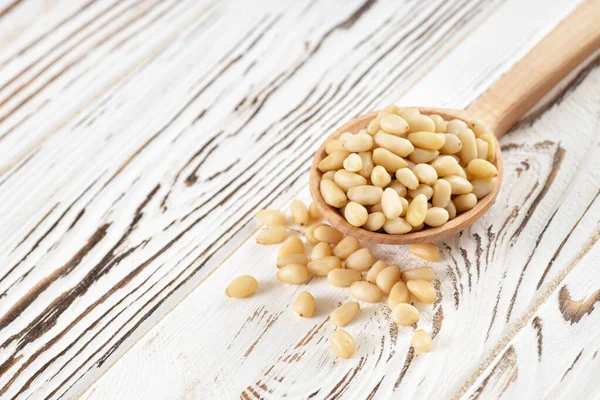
[[137, 139]]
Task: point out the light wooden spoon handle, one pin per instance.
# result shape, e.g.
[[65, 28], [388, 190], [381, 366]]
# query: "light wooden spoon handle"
[[565, 47]]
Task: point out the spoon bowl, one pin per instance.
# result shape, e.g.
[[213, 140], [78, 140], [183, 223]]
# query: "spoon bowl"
[[426, 235]]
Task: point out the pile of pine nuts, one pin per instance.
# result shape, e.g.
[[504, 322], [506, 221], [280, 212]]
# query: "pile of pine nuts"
[[345, 264], [407, 171]]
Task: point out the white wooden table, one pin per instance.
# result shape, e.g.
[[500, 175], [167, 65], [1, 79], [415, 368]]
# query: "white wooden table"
[[137, 139]]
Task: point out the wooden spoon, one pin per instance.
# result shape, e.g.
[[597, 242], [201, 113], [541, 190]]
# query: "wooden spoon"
[[565, 47]]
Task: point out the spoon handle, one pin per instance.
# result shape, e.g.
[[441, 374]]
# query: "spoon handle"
[[566, 46]]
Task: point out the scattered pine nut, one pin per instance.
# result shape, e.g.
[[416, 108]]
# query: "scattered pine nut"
[[426, 251], [271, 235], [270, 217], [242, 286], [304, 305], [344, 314], [405, 314], [299, 212], [342, 343], [421, 341]]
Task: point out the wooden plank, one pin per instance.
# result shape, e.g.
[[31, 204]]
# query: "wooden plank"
[[520, 253], [554, 353], [131, 161]]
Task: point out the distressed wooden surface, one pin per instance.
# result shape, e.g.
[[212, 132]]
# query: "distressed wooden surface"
[[137, 139]]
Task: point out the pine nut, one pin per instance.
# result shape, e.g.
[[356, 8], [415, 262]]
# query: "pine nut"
[[388, 160], [456, 126], [390, 203], [420, 123], [464, 202], [418, 227], [442, 192], [294, 274], [459, 185], [482, 148], [398, 294], [345, 247], [404, 206], [489, 139], [320, 250], [328, 234], [421, 341], [356, 214], [451, 210], [333, 161], [271, 235], [436, 216], [328, 175], [345, 136], [291, 245], [313, 211], [346, 179], [376, 208], [360, 260], [469, 146], [270, 217], [393, 124], [292, 259], [444, 165], [375, 270], [397, 226], [242, 286], [342, 343], [423, 155], [440, 124], [332, 194], [380, 177], [387, 278], [390, 109], [478, 127], [427, 140], [399, 188], [422, 273], [407, 178], [365, 291], [422, 290], [422, 189], [404, 314], [482, 169], [309, 233], [408, 112], [322, 266], [375, 221], [452, 145], [353, 163], [417, 209], [425, 173], [304, 305], [426, 251], [482, 187], [366, 195], [367, 164], [299, 212], [373, 126], [343, 277], [359, 142], [333, 145], [397, 145], [344, 314]]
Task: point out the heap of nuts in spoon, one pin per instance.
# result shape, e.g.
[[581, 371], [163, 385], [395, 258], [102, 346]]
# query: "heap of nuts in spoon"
[[408, 170], [345, 263]]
